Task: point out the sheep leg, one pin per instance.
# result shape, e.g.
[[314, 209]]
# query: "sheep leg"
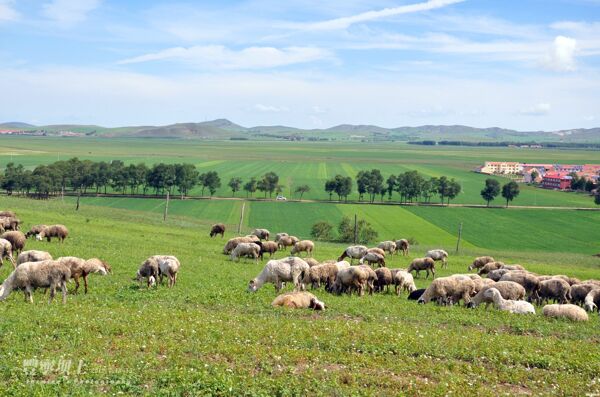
[[52, 293], [28, 294], [85, 283], [63, 288], [76, 278]]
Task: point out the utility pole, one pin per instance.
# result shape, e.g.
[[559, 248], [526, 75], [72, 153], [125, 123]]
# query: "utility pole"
[[78, 198], [241, 218], [459, 236], [355, 229], [166, 207]]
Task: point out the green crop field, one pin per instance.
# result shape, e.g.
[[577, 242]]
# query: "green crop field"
[[306, 163], [208, 336]]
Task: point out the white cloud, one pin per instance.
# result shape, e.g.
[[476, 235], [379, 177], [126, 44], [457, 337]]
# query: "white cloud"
[[561, 57], [345, 22], [7, 12], [540, 109], [218, 56], [69, 12], [270, 108]]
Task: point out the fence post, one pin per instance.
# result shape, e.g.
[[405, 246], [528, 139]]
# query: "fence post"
[[459, 236], [241, 218], [166, 207], [355, 229]]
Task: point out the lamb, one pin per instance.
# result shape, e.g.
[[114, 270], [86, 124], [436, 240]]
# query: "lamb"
[[353, 252], [33, 256], [438, 255], [17, 240], [496, 275], [529, 281], [35, 230], [217, 228], [287, 241], [480, 262], [377, 251], [403, 281], [169, 265], [349, 279], [384, 279], [511, 306], [6, 252], [269, 247], [149, 270], [321, 274], [388, 246], [59, 231], [416, 294], [449, 290], [262, 234], [419, 264], [572, 312], [82, 268], [373, 258], [580, 291], [278, 271], [233, 242], [303, 246], [31, 275], [555, 288], [508, 290], [592, 300], [488, 267], [403, 245], [246, 249], [299, 300]]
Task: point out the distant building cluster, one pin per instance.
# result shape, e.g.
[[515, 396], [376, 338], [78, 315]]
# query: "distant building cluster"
[[38, 132], [550, 176]]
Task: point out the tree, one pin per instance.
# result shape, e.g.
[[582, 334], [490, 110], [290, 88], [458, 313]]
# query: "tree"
[[510, 191], [597, 199], [302, 189], [577, 183], [491, 190], [330, 186], [534, 176], [250, 187], [186, 177], [343, 187], [391, 185], [270, 183], [362, 181], [211, 181], [321, 230], [443, 186], [589, 185], [375, 184], [453, 190], [235, 184], [366, 233], [12, 178]]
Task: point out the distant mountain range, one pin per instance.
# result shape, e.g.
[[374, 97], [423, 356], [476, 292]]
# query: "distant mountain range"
[[225, 129]]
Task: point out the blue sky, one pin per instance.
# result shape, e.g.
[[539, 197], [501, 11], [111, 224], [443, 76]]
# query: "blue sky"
[[527, 64]]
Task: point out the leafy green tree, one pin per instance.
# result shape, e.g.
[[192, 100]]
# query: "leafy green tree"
[[443, 187], [454, 190], [510, 191], [491, 190], [302, 189], [270, 183], [534, 175], [362, 183], [186, 177], [211, 181], [330, 186], [13, 174], [235, 184], [589, 185], [343, 186], [366, 233], [391, 185], [250, 187], [321, 231]]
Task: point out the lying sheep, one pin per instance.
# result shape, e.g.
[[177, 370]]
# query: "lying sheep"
[[528, 281], [449, 290], [572, 312], [303, 246], [33, 256], [6, 252], [496, 275], [169, 265], [269, 247], [233, 242], [508, 290], [384, 279], [371, 277], [17, 240], [402, 245], [246, 249], [59, 231], [217, 228], [480, 262], [556, 289], [488, 267], [373, 258], [287, 241], [299, 300], [438, 255], [580, 291], [350, 279], [419, 264], [81, 268], [353, 252], [511, 306], [262, 234], [321, 274], [35, 230], [149, 270], [278, 271], [592, 300], [388, 246], [403, 281], [31, 275]]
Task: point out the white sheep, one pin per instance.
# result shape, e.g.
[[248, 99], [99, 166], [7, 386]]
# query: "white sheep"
[[168, 265], [447, 290], [6, 252], [353, 252], [373, 258], [303, 246], [33, 256], [518, 307], [403, 280], [246, 249], [438, 255], [572, 312], [31, 275], [299, 300], [278, 271], [388, 246], [592, 300]]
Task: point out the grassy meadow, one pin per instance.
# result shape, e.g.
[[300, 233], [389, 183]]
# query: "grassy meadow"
[[208, 336]]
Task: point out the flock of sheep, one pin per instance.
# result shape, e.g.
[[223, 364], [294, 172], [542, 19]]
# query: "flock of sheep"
[[508, 287]]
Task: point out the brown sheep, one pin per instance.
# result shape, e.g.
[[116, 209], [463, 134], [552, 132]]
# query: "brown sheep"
[[82, 268], [33, 256], [371, 277], [313, 262], [59, 231], [480, 262], [217, 228], [508, 290], [287, 241], [349, 279], [149, 270], [8, 214], [321, 274], [384, 279], [35, 230], [17, 240], [262, 234], [9, 223], [377, 251], [373, 258], [529, 281], [579, 292], [303, 246], [269, 247], [448, 290], [299, 300], [233, 242], [402, 245], [496, 275], [488, 267], [419, 264], [6, 251], [556, 289]]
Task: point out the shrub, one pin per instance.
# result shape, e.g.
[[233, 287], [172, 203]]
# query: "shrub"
[[366, 233], [321, 230]]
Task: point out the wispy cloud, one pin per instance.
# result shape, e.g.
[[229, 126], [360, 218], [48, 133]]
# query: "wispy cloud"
[[540, 109], [69, 12], [270, 108], [218, 56], [345, 22], [7, 11]]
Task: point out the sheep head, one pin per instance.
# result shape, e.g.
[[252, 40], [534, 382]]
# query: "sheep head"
[[252, 287], [316, 304]]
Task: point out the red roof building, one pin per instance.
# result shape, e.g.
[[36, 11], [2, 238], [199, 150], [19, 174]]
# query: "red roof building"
[[556, 181]]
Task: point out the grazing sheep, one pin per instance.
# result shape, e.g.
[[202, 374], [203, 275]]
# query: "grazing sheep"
[[416, 294], [488, 267], [252, 238], [595, 282], [59, 231], [513, 267], [6, 251], [371, 277], [508, 290], [592, 300], [449, 290], [570, 280], [419, 264], [384, 279], [149, 270], [287, 241], [168, 265], [303, 246], [35, 230], [8, 214], [580, 291], [313, 262], [246, 249], [233, 242], [278, 271], [438, 255], [9, 223], [373, 258], [278, 236], [529, 281], [496, 275], [17, 240], [353, 278], [353, 252], [388, 246], [556, 289], [262, 234], [33, 256], [403, 281], [217, 228], [31, 275], [481, 283], [269, 247], [299, 300], [319, 274], [480, 262], [377, 251], [511, 306], [403, 245], [572, 312], [82, 268]]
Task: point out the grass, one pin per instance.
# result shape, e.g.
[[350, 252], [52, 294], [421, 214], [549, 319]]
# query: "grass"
[[207, 336]]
